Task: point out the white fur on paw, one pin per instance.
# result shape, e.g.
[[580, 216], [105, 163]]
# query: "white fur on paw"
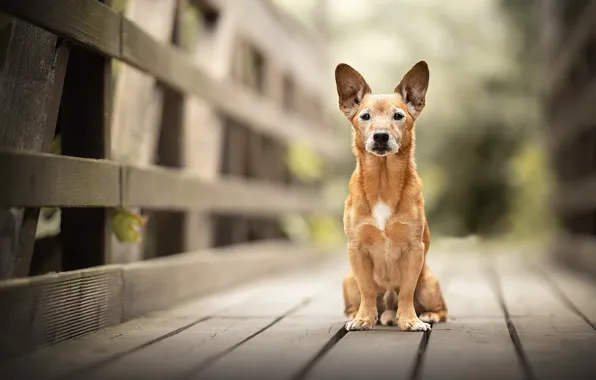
[[358, 324], [429, 317], [414, 325], [388, 318]]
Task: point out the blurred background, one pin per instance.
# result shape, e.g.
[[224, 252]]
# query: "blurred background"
[[480, 149]]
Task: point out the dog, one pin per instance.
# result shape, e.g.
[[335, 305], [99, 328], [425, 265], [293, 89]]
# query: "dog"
[[384, 219]]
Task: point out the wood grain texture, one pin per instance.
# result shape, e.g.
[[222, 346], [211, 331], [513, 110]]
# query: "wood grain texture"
[[158, 188], [282, 350], [386, 353], [90, 23], [56, 307], [556, 340], [49, 180], [32, 69]]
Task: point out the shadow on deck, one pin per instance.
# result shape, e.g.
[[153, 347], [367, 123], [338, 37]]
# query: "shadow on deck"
[[513, 315]]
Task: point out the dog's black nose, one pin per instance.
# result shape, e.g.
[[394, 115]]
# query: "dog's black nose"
[[381, 137]]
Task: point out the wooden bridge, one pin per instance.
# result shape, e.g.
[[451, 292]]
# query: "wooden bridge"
[[184, 111]]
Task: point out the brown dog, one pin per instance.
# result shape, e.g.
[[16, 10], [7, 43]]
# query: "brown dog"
[[384, 219]]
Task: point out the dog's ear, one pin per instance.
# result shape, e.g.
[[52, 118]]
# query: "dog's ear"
[[351, 88], [413, 86]]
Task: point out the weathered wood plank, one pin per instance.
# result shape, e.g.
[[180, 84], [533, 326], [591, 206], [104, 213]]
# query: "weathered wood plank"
[[158, 188], [280, 352], [578, 291], [485, 343], [51, 308], [134, 290], [556, 341], [383, 353], [48, 180], [203, 144], [32, 68], [172, 66], [187, 351], [87, 22]]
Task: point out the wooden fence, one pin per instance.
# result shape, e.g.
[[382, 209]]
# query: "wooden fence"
[[569, 105], [183, 109]]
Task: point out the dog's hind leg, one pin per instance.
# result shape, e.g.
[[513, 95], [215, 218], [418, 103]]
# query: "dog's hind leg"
[[430, 305]]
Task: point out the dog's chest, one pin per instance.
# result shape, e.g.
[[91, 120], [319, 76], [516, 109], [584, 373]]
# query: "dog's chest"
[[381, 212]]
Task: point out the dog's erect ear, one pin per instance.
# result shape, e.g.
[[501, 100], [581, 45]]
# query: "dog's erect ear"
[[413, 86], [351, 88]]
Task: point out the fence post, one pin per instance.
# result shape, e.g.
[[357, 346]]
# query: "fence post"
[[32, 65]]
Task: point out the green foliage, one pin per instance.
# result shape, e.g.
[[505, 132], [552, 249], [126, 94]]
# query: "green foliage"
[[126, 225], [304, 162]]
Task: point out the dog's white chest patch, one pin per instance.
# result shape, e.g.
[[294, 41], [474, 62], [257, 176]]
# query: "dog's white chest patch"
[[381, 213]]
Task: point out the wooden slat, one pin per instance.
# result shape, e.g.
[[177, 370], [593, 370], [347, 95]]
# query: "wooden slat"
[[55, 307], [32, 69], [476, 330], [49, 180], [87, 22], [582, 31], [172, 66], [557, 342], [48, 309], [281, 351], [384, 354], [485, 343], [161, 189], [574, 196], [578, 116]]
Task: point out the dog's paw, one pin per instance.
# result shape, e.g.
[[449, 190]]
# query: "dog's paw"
[[388, 318], [360, 324], [414, 324], [431, 317]]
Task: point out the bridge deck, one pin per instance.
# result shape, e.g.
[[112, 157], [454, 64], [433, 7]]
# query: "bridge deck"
[[511, 318]]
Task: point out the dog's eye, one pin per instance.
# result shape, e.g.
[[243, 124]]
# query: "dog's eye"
[[398, 116], [365, 116]]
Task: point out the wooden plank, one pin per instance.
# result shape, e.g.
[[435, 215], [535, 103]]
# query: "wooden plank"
[[575, 196], [54, 307], [578, 291], [556, 341], [476, 329], [48, 180], [87, 22], [279, 352], [172, 66], [581, 33], [158, 188], [203, 143], [186, 351], [485, 343], [191, 274], [32, 71], [565, 129], [299, 50], [120, 347], [51, 308], [384, 353]]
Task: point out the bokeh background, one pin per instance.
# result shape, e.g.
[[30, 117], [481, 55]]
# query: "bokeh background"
[[480, 148]]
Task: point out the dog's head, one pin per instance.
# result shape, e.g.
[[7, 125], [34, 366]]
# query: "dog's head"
[[382, 123]]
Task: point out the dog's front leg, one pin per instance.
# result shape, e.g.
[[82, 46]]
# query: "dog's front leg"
[[410, 266], [362, 268]]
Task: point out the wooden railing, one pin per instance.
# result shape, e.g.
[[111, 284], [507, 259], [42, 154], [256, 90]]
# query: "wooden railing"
[[569, 99], [191, 126]]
